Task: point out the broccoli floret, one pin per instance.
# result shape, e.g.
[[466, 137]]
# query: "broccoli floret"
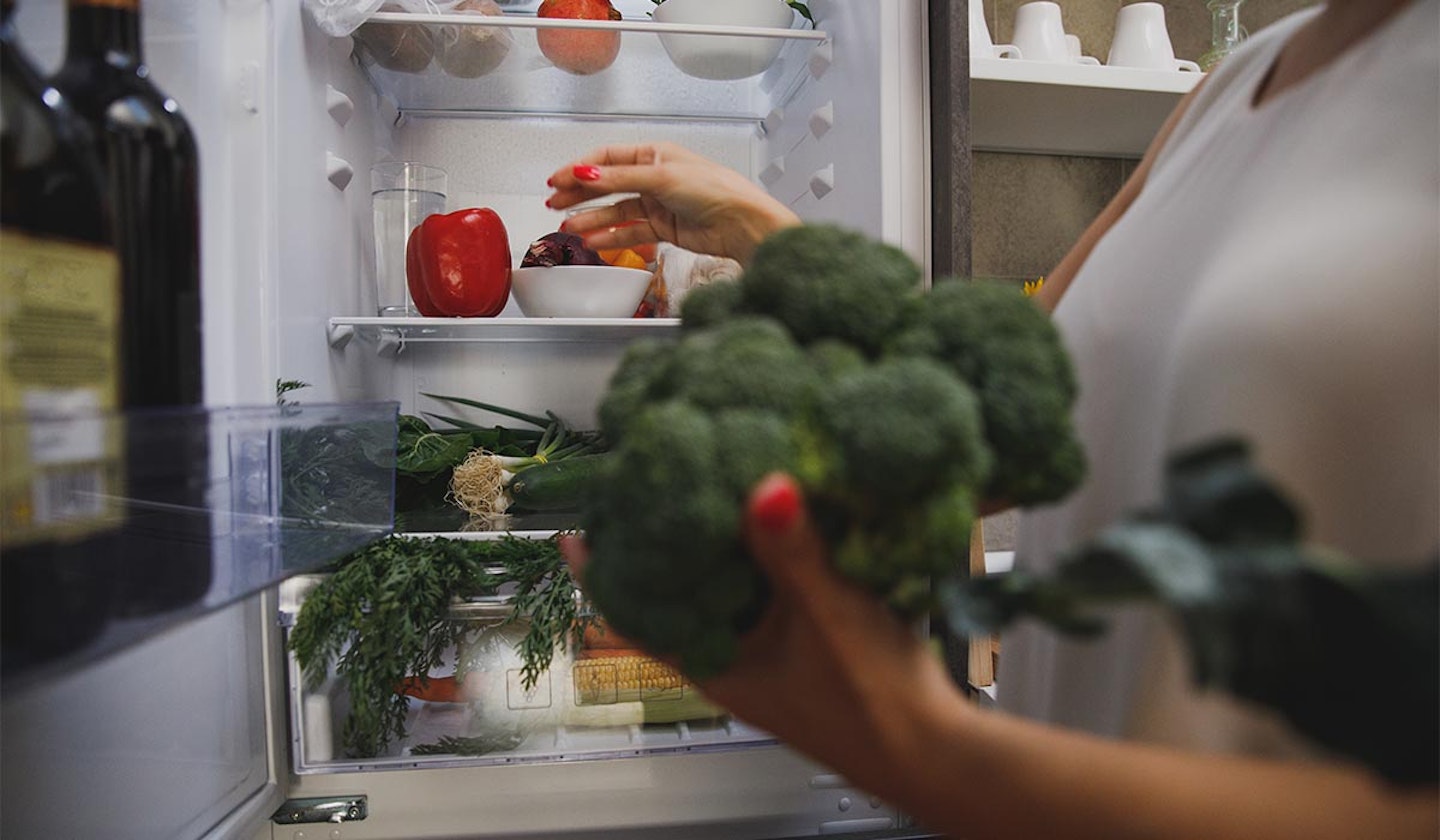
[[893, 408], [900, 429], [897, 456], [823, 281], [708, 305], [832, 358], [642, 377], [746, 362], [1009, 351], [669, 567], [900, 556]]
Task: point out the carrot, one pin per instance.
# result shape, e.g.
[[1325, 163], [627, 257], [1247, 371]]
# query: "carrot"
[[431, 689]]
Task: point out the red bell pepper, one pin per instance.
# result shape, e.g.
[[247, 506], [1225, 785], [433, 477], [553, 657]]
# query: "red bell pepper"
[[458, 264]]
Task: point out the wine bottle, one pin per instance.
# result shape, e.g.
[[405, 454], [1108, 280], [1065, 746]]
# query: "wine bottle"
[[151, 163], [60, 445]]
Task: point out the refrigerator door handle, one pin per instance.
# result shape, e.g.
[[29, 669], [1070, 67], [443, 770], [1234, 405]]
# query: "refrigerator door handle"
[[327, 809]]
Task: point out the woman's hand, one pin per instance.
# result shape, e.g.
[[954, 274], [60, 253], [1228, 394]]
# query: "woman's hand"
[[685, 199], [828, 669]]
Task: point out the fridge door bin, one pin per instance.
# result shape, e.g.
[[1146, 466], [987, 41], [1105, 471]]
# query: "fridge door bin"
[[476, 710], [121, 525]]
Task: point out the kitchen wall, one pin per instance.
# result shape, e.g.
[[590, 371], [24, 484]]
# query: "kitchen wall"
[[1026, 210]]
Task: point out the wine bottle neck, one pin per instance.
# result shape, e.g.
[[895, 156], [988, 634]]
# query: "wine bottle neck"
[[106, 29]]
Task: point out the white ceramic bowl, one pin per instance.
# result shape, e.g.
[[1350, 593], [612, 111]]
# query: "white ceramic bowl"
[[723, 57], [579, 291]]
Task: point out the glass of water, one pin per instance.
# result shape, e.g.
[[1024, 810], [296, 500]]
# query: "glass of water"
[[403, 194]]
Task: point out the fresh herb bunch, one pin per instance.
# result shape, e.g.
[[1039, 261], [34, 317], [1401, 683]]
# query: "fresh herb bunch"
[[470, 745], [383, 615], [331, 472]]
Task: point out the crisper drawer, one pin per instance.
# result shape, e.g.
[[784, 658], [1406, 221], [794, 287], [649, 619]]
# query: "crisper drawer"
[[477, 708]]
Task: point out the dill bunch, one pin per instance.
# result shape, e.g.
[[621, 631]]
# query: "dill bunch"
[[383, 615]]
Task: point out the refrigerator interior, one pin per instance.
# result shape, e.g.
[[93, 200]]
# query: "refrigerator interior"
[[290, 123], [835, 129]]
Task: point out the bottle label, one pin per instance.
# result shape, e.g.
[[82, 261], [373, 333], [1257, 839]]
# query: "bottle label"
[[61, 439]]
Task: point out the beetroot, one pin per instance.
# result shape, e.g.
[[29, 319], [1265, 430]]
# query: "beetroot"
[[559, 249]]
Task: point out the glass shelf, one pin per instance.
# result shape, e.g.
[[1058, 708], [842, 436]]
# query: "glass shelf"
[[1070, 109], [121, 526], [391, 335], [643, 83]]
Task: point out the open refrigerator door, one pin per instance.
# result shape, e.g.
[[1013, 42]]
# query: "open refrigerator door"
[[291, 119]]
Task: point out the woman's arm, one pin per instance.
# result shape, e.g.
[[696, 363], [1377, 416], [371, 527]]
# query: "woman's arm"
[[836, 676], [990, 775]]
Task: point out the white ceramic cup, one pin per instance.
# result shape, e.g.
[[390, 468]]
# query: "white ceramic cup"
[[1141, 40], [980, 44], [1040, 34]]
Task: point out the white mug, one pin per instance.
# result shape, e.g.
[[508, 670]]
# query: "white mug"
[[1040, 34], [980, 44], [1141, 40]]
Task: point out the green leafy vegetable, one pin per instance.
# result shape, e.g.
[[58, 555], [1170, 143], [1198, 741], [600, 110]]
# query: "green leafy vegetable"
[[473, 745], [1266, 618], [383, 615], [333, 475]]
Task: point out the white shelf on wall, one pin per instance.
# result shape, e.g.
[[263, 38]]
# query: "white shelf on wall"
[[643, 83], [1070, 109]]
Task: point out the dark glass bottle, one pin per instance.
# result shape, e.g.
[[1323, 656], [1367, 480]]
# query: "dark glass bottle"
[[59, 356], [152, 166]]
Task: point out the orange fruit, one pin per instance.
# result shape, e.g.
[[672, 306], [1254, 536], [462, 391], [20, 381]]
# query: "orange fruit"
[[623, 258]]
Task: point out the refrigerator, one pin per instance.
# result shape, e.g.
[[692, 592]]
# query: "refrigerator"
[[197, 726]]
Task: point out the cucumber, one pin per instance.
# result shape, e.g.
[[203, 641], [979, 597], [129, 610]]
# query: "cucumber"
[[557, 485]]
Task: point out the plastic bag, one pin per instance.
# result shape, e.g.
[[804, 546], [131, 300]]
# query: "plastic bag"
[[462, 51], [405, 47], [338, 18], [468, 52], [681, 270]]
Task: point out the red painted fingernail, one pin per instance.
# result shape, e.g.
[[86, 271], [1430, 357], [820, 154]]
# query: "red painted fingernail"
[[548, 203], [549, 182], [775, 504], [586, 173]]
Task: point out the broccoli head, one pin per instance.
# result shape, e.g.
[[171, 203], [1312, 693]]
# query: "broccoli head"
[[895, 409]]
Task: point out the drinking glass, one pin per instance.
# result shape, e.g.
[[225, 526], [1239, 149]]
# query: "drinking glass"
[[402, 194]]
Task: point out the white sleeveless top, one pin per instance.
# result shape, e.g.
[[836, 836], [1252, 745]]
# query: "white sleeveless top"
[[1277, 278]]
